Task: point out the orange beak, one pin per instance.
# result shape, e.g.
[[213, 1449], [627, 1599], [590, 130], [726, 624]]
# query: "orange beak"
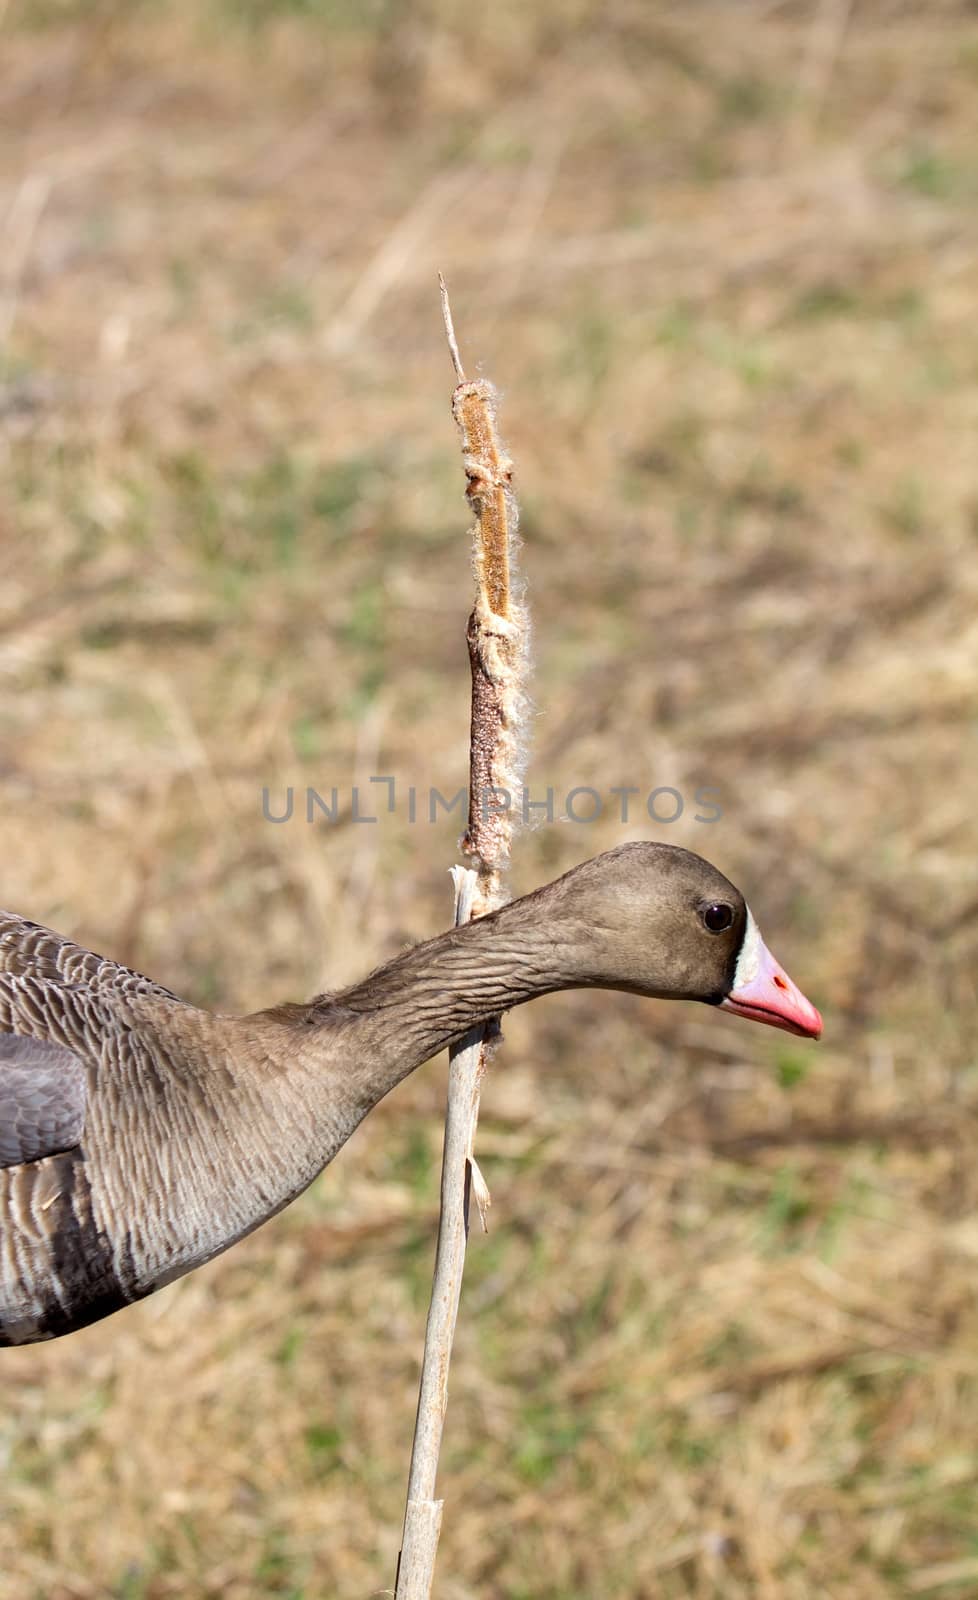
[[768, 995]]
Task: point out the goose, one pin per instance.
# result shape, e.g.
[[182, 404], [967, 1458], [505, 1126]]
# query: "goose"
[[140, 1135]]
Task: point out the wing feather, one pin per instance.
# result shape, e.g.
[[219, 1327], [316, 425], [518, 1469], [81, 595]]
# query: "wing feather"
[[63, 1011], [29, 951], [42, 1099]]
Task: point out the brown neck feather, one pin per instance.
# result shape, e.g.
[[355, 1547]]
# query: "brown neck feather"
[[407, 1011], [620, 921]]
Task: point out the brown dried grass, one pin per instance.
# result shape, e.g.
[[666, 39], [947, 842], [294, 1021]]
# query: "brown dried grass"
[[721, 1341]]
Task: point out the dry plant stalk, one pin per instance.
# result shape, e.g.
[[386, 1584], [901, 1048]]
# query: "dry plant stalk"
[[497, 640]]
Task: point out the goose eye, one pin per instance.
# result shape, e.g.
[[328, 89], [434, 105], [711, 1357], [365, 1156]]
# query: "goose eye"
[[718, 918]]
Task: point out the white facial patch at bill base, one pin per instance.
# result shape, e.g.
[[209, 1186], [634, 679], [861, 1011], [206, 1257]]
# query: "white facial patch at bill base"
[[749, 960]]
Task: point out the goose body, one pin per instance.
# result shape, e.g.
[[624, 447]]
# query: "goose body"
[[140, 1135]]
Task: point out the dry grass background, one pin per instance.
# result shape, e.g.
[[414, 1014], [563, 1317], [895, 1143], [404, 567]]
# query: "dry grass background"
[[723, 260]]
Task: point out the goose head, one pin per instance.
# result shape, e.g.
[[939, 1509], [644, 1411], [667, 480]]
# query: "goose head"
[[657, 920]]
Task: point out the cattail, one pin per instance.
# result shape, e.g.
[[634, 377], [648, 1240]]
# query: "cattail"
[[497, 636]]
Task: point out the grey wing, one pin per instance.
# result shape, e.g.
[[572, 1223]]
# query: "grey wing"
[[42, 1099]]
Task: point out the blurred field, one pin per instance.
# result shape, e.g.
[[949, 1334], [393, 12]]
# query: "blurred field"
[[723, 261]]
